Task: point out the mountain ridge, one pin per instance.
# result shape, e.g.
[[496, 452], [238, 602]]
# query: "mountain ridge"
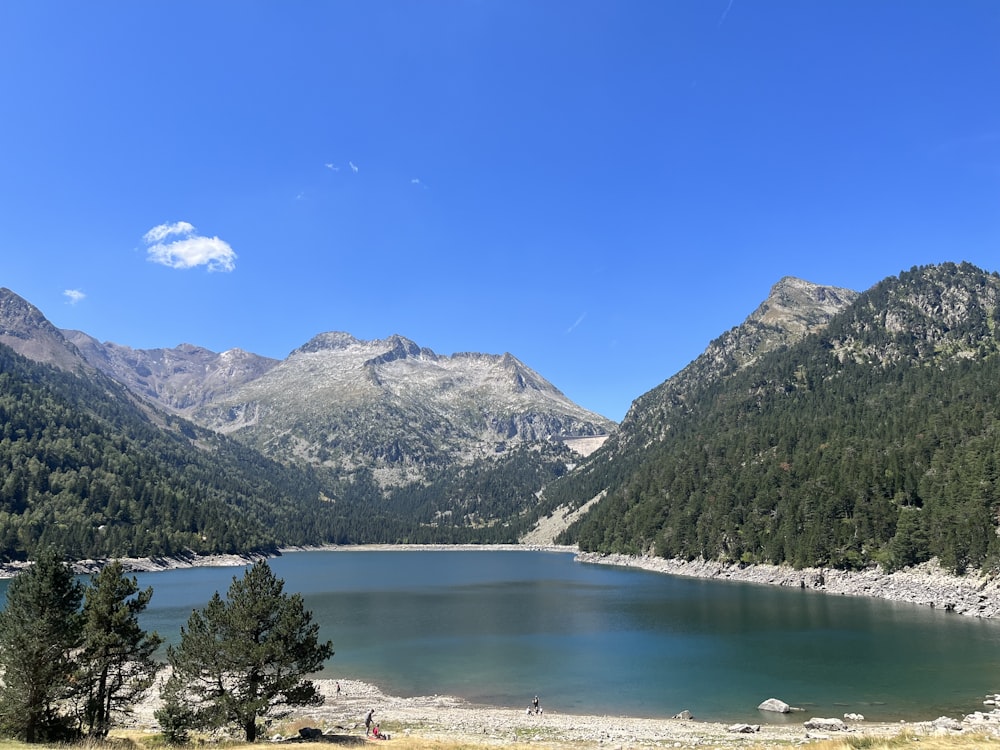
[[873, 439], [337, 402]]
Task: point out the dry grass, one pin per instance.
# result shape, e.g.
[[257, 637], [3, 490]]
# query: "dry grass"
[[145, 741], [912, 741]]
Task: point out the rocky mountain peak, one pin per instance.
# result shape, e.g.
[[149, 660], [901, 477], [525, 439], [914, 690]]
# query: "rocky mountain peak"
[[799, 307], [330, 340], [28, 332], [793, 309], [398, 347]]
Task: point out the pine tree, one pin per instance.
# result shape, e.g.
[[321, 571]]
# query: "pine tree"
[[243, 658], [117, 664], [39, 632]]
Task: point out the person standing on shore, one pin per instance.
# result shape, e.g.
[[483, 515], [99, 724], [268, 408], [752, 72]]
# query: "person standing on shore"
[[534, 705], [368, 721]]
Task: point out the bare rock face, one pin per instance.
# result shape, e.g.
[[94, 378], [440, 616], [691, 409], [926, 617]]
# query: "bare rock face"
[[25, 330], [179, 379], [396, 407], [389, 405]]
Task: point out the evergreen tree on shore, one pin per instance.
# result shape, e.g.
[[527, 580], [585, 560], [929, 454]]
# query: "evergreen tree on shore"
[[117, 664], [243, 658], [40, 628]]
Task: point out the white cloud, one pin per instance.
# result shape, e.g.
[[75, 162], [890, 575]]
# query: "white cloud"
[[73, 296], [415, 181], [354, 167], [332, 167], [161, 232], [189, 249]]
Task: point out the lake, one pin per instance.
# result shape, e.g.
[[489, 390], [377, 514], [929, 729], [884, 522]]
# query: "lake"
[[499, 627]]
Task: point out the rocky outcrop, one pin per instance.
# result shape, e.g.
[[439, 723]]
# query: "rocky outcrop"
[[793, 309], [395, 407], [180, 379], [25, 330]]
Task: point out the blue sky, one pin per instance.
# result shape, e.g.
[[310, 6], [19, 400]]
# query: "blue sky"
[[599, 188]]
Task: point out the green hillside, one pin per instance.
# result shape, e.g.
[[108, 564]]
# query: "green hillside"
[[875, 440], [84, 469], [87, 469]]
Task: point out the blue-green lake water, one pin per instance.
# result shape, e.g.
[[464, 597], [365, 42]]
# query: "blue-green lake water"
[[499, 627]]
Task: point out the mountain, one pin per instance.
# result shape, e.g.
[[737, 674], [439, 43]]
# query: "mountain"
[[345, 441], [395, 407], [872, 437], [793, 309], [179, 379], [86, 469], [343, 404], [29, 333]]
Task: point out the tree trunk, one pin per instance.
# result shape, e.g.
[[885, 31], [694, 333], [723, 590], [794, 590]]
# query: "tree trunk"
[[250, 727]]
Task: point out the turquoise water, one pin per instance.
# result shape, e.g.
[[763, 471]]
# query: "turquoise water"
[[501, 627]]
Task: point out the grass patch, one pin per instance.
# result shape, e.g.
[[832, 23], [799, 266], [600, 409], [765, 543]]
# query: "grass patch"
[[145, 741], [913, 741]]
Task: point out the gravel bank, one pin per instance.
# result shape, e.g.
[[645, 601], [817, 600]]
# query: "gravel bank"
[[443, 717]]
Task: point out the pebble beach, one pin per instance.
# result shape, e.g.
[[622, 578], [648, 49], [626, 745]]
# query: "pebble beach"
[[440, 717]]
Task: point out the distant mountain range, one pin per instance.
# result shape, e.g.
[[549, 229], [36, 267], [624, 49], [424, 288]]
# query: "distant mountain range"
[[829, 428], [375, 426], [337, 402]]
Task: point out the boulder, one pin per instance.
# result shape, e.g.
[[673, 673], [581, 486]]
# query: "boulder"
[[310, 733], [743, 728], [773, 704], [685, 714], [854, 717], [826, 725], [946, 723]]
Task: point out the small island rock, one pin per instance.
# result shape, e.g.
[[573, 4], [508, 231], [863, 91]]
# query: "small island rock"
[[773, 704]]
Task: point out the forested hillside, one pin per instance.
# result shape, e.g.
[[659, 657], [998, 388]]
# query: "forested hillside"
[[873, 440], [83, 469], [88, 470]]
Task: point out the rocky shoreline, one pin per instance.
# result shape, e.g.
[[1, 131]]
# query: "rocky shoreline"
[[440, 717], [928, 584]]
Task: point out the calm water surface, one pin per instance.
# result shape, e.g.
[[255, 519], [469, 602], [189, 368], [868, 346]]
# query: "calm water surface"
[[500, 627]]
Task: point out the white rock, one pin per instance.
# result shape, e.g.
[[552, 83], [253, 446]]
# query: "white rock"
[[774, 704]]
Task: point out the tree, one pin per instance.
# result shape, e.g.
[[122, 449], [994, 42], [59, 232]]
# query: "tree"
[[243, 658], [39, 632], [117, 664]]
